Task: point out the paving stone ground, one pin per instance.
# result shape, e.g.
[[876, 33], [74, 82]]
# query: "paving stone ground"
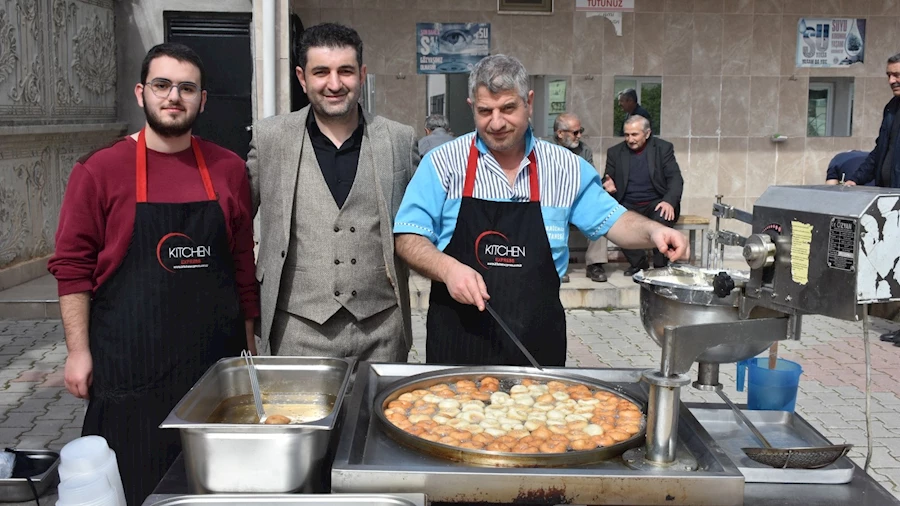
[[37, 412]]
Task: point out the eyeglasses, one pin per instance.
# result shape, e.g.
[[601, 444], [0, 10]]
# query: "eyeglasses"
[[580, 131], [186, 90]]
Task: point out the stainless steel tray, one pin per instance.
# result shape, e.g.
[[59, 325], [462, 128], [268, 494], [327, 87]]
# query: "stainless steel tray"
[[783, 430], [368, 460], [18, 490], [289, 499]]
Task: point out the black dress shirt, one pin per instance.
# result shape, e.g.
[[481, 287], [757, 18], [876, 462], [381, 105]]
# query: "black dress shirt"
[[338, 164]]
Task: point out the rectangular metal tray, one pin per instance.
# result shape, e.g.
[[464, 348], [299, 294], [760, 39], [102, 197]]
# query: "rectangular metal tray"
[[368, 460], [288, 500], [17, 489], [783, 430]]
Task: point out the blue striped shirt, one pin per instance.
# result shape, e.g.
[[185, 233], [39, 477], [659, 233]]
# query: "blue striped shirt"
[[570, 190]]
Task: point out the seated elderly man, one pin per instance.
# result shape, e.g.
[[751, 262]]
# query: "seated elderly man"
[[437, 132], [643, 176]]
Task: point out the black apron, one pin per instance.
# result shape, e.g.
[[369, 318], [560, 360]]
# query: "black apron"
[[162, 319], [506, 242]]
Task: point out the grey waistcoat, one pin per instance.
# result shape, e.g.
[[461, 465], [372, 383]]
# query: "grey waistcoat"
[[334, 259]]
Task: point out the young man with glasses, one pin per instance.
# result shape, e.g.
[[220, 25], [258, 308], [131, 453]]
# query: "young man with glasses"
[[154, 262]]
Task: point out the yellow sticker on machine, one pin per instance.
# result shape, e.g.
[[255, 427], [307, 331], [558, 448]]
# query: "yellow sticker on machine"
[[801, 237]]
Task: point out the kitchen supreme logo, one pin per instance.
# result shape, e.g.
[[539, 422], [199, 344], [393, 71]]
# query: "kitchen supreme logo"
[[493, 249], [178, 251]]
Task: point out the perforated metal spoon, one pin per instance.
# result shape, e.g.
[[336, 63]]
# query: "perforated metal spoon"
[[812, 457], [254, 386]]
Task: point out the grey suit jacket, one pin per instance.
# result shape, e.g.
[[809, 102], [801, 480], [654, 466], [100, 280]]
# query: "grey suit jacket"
[[273, 165]]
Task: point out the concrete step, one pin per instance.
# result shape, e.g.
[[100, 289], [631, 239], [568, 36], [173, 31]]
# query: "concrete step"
[[37, 299], [33, 300]]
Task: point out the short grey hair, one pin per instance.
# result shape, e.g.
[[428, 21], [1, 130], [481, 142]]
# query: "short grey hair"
[[499, 73], [562, 121], [894, 59], [629, 93], [437, 121], [559, 123], [637, 118]]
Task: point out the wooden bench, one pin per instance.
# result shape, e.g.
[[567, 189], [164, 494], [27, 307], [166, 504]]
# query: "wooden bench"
[[692, 224]]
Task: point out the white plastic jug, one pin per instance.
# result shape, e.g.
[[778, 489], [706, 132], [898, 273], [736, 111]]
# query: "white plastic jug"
[[86, 490], [91, 456]]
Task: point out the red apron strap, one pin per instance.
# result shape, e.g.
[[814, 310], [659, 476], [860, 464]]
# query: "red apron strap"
[[533, 177], [472, 165], [204, 171], [141, 165]]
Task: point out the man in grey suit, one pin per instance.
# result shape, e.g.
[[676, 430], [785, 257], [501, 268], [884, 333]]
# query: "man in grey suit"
[[327, 181], [437, 132]]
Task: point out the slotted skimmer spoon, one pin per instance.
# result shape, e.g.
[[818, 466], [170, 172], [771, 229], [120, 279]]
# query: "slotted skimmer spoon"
[[812, 457], [254, 385], [513, 337]]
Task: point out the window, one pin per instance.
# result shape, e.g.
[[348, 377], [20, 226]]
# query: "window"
[[829, 111], [550, 96], [649, 94], [525, 6], [437, 104]]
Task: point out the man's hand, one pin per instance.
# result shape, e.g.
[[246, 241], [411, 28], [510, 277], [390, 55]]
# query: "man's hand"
[[671, 243], [666, 210], [465, 285], [849, 182], [609, 185], [79, 373]]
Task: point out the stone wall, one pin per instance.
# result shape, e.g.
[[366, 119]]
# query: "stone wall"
[[57, 102]]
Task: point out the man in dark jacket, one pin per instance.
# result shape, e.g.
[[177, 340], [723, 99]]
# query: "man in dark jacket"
[[883, 163], [643, 176], [628, 101]]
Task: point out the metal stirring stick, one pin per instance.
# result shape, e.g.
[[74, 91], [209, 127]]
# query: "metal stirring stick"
[[254, 385], [512, 336]]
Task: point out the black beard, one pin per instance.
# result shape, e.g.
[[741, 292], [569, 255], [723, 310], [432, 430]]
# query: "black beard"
[[170, 131]]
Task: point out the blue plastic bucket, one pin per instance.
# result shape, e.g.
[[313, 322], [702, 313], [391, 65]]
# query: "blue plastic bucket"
[[770, 389]]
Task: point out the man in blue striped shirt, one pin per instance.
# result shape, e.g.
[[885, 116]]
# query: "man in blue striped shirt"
[[486, 217]]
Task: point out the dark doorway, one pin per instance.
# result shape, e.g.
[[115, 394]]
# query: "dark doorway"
[[456, 108], [223, 42]]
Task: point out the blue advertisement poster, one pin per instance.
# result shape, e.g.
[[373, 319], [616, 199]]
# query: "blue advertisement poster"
[[834, 42], [450, 48]]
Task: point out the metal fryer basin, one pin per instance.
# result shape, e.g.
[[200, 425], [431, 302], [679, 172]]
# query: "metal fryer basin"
[[681, 296], [257, 458]]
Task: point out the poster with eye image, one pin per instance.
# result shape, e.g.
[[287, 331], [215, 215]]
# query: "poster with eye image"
[[834, 42], [450, 48]]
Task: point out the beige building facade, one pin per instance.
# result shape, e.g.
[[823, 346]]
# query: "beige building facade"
[[726, 69]]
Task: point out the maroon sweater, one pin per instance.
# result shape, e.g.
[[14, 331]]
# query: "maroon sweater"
[[97, 216]]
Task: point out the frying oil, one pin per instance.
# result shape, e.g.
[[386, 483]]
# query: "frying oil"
[[300, 408]]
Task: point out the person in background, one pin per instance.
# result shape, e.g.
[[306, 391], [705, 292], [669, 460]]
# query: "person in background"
[[844, 166], [437, 132], [486, 217], [567, 132], [883, 163], [628, 101], [327, 181], [643, 176], [154, 262]]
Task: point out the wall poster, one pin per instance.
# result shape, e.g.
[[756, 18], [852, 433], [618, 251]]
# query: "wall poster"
[[449, 48], [835, 42]]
